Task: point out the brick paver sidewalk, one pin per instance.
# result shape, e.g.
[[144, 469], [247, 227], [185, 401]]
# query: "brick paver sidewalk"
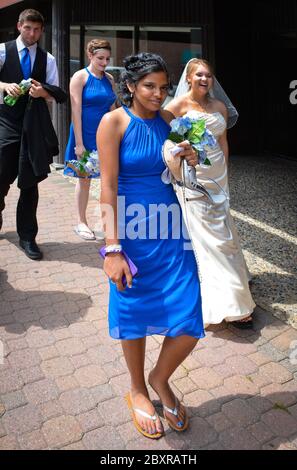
[[63, 379]]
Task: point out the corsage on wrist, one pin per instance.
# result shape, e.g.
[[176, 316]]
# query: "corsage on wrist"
[[112, 249]]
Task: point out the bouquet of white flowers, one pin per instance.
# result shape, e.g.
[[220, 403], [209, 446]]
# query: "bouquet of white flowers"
[[86, 167]]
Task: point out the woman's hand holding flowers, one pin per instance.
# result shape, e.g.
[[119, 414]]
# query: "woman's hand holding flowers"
[[189, 153], [86, 164], [192, 128], [79, 150]]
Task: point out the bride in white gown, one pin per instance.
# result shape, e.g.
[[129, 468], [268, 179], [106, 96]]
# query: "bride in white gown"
[[223, 272]]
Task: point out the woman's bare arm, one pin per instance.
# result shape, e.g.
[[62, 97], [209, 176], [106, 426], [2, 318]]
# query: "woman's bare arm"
[[108, 144], [174, 107], [223, 141], [109, 135], [167, 115], [76, 88]]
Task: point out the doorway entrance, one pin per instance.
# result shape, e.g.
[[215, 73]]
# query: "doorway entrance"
[[176, 45], [277, 115]]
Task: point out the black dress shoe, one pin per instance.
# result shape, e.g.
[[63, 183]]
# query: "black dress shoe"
[[31, 249], [243, 325]]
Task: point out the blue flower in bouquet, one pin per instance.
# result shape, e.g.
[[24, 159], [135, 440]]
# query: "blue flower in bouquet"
[[209, 139], [181, 125], [92, 163], [192, 128], [85, 167]]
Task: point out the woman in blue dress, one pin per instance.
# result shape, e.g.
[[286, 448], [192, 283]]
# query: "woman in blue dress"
[[142, 217], [92, 95]]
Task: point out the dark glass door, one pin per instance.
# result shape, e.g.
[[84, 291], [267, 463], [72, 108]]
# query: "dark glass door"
[[176, 45], [276, 57]]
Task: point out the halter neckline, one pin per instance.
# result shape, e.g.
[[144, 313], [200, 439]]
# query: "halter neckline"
[[138, 118], [94, 76]]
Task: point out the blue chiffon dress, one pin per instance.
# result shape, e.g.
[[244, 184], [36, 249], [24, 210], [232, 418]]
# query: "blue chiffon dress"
[[165, 295], [97, 98]]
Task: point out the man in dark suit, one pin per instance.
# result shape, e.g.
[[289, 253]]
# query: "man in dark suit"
[[22, 59]]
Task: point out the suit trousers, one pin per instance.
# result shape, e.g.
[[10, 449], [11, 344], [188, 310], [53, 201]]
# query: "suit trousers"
[[26, 215]]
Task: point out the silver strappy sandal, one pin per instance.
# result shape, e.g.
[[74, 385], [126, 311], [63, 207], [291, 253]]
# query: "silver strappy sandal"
[[181, 425]]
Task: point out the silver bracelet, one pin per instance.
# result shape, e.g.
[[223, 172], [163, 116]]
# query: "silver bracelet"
[[113, 249]]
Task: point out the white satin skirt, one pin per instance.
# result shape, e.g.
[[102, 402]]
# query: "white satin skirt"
[[222, 268]]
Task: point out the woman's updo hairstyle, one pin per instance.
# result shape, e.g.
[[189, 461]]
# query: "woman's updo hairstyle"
[[95, 44], [137, 67]]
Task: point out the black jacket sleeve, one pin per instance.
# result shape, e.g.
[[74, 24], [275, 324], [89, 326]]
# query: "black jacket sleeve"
[[39, 140]]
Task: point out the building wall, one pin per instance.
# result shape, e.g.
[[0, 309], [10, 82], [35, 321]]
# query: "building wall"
[[255, 61], [164, 12], [252, 44], [9, 17]]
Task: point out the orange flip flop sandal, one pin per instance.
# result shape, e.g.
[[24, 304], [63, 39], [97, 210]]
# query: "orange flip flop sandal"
[[184, 424], [133, 410]]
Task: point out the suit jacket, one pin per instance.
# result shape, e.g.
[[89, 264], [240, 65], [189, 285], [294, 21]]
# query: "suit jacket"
[[39, 142]]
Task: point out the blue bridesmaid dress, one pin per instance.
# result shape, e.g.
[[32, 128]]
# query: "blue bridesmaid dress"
[[165, 295], [97, 98]]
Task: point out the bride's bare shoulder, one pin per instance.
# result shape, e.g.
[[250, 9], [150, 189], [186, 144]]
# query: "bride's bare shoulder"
[[176, 105], [218, 105]]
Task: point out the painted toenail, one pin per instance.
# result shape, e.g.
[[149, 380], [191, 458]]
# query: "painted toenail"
[[180, 424]]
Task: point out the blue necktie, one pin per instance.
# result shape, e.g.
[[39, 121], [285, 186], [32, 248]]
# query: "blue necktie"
[[26, 63]]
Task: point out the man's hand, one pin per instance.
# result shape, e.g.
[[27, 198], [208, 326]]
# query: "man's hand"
[[12, 89], [36, 90]]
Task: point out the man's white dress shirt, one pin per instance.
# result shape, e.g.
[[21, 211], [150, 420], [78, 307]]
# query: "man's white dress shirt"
[[52, 77]]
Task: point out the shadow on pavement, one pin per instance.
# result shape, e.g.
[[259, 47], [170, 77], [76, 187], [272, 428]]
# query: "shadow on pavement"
[[47, 309], [237, 422], [84, 253]]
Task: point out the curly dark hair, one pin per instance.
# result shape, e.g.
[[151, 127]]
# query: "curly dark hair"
[[137, 67]]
